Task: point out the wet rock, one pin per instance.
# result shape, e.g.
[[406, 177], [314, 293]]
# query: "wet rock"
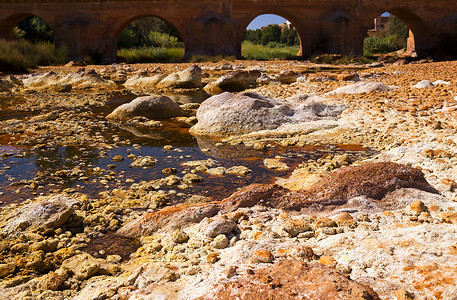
[[275, 164], [187, 79], [238, 170], [236, 81], [291, 279], [191, 178], [362, 87], [39, 216], [152, 107], [228, 114], [144, 162]]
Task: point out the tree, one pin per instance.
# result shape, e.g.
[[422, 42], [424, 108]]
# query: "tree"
[[34, 29]]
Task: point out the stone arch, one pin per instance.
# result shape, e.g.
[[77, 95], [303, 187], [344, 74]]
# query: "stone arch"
[[126, 23], [8, 24], [244, 22], [418, 40]]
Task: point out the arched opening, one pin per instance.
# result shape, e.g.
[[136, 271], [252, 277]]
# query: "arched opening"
[[398, 32], [149, 39], [28, 41], [270, 36], [33, 29]]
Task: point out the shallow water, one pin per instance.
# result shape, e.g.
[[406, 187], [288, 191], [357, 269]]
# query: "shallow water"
[[23, 164]]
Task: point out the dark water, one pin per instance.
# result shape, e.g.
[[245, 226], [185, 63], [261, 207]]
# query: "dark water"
[[23, 164]]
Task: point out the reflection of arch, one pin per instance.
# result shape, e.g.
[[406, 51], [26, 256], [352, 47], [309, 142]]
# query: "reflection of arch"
[[244, 22], [419, 30], [8, 24]]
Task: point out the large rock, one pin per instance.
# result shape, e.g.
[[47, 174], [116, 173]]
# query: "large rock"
[[233, 82], [189, 78], [52, 213], [362, 87], [228, 114], [152, 107], [139, 81], [291, 279]]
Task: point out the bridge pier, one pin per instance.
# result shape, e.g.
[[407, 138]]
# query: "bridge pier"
[[84, 37], [210, 35]]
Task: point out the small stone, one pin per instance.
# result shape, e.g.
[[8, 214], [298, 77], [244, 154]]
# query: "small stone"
[[212, 258], [295, 227], [275, 164], [144, 162], [230, 272], [262, 256], [118, 158], [191, 178], [220, 226], [325, 222], [328, 260], [179, 237], [219, 171], [417, 207], [220, 242], [344, 219], [169, 171], [239, 170]]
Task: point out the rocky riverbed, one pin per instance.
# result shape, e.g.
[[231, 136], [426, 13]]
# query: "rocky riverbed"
[[301, 181]]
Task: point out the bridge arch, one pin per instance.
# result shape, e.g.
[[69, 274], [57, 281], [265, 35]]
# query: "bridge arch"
[[177, 31], [420, 31], [244, 22], [8, 24]]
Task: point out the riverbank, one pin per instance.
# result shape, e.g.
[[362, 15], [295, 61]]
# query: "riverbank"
[[383, 230]]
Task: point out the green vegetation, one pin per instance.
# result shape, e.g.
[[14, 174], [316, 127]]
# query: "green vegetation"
[[149, 32], [270, 51], [392, 38], [20, 55], [151, 55], [33, 29], [272, 34]]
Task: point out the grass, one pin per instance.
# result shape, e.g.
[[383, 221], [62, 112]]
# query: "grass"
[[151, 55], [261, 52], [18, 56]]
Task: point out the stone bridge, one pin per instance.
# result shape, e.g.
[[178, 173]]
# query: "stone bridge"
[[93, 27]]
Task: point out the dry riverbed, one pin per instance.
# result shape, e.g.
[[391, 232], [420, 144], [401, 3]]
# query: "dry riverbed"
[[342, 178]]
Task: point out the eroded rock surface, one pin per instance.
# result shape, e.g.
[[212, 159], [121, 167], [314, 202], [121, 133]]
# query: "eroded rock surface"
[[228, 114], [291, 279]]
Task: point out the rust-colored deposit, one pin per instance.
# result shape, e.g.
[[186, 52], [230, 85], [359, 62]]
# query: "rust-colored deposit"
[[373, 180], [291, 279]]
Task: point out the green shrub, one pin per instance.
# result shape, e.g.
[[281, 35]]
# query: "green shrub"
[[270, 51], [19, 55], [151, 55]]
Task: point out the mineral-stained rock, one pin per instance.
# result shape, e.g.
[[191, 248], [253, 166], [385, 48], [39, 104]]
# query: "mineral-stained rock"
[[152, 107], [139, 81], [83, 265], [236, 81], [220, 226], [373, 180], [144, 162], [41, 215], [291, 279]]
